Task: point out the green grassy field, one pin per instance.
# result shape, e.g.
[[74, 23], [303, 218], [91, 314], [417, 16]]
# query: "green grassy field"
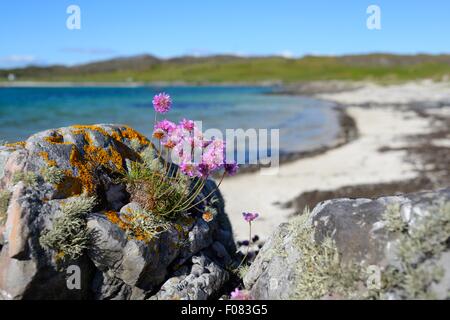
[[223, 69]]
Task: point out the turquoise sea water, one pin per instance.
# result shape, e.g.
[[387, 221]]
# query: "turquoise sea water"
[[304, 123]]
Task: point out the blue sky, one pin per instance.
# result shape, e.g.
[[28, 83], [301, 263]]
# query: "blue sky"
[[34, 32]]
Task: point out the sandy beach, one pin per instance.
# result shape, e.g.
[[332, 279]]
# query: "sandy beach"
[[387, 124]]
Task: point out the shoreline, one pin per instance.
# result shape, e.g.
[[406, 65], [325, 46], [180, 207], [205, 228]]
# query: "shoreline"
[[71, 84], [348, 132], [391, 154]]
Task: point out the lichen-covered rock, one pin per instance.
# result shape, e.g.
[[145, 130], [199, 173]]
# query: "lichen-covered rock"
[[201, 280], [86, 161], [388, 248]]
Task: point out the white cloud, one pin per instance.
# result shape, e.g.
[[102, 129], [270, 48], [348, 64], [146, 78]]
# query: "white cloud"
[[19, 60], [16, 58], [286, 54]]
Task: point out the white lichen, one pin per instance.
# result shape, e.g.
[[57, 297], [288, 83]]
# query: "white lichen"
[[320, 271], [69, 236], [419, 247], [29, 178], [53, 175]]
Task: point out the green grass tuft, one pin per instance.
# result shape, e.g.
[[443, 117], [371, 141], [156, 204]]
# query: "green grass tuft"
[[152, 186]]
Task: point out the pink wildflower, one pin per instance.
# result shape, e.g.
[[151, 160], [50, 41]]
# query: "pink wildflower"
[[169, 143], [166, 125], [187, 124], [240, 295], [188, 169], [249, 217], [203, 170], [231, 168], [213, 154], [162, 102]]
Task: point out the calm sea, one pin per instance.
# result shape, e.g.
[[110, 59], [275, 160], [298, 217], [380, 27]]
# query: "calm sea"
[[304, 123]]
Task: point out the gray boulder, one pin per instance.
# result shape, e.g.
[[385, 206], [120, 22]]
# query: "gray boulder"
[[56, 167], [201, 280], [388, 248]]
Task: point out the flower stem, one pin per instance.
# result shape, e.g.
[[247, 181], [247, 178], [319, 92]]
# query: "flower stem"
[[216, 188], [196, 191], [248, 247]]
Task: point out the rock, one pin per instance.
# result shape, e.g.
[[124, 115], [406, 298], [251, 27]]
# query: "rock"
[[202, 280], [367, 245], [115, 265], [274, 269]]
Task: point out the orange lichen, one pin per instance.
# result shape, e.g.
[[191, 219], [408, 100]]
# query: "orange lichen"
[[55, 138], [116, 158], [19, 144], [50, 163], [115, 219], [87, 160], [84, 168], [131, 134], [138, 234], [93, 158], [99, 129]]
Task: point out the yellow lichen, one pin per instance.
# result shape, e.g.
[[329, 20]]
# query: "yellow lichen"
[[131, 134], [50, 163], [138, 225], [91, 157], [83, 128], [84, 168], [125, 133], [56, 138], [19, 144], [114, 218]]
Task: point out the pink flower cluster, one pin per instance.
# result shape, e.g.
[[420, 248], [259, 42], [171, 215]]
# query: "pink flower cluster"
[[198, 157], [162, 102], [240, 295]]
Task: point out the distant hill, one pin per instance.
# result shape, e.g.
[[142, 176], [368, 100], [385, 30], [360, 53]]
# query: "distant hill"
[[229, 69]]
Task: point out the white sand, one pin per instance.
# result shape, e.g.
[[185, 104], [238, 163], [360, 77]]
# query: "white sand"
[[417, 91], [358, 162]]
